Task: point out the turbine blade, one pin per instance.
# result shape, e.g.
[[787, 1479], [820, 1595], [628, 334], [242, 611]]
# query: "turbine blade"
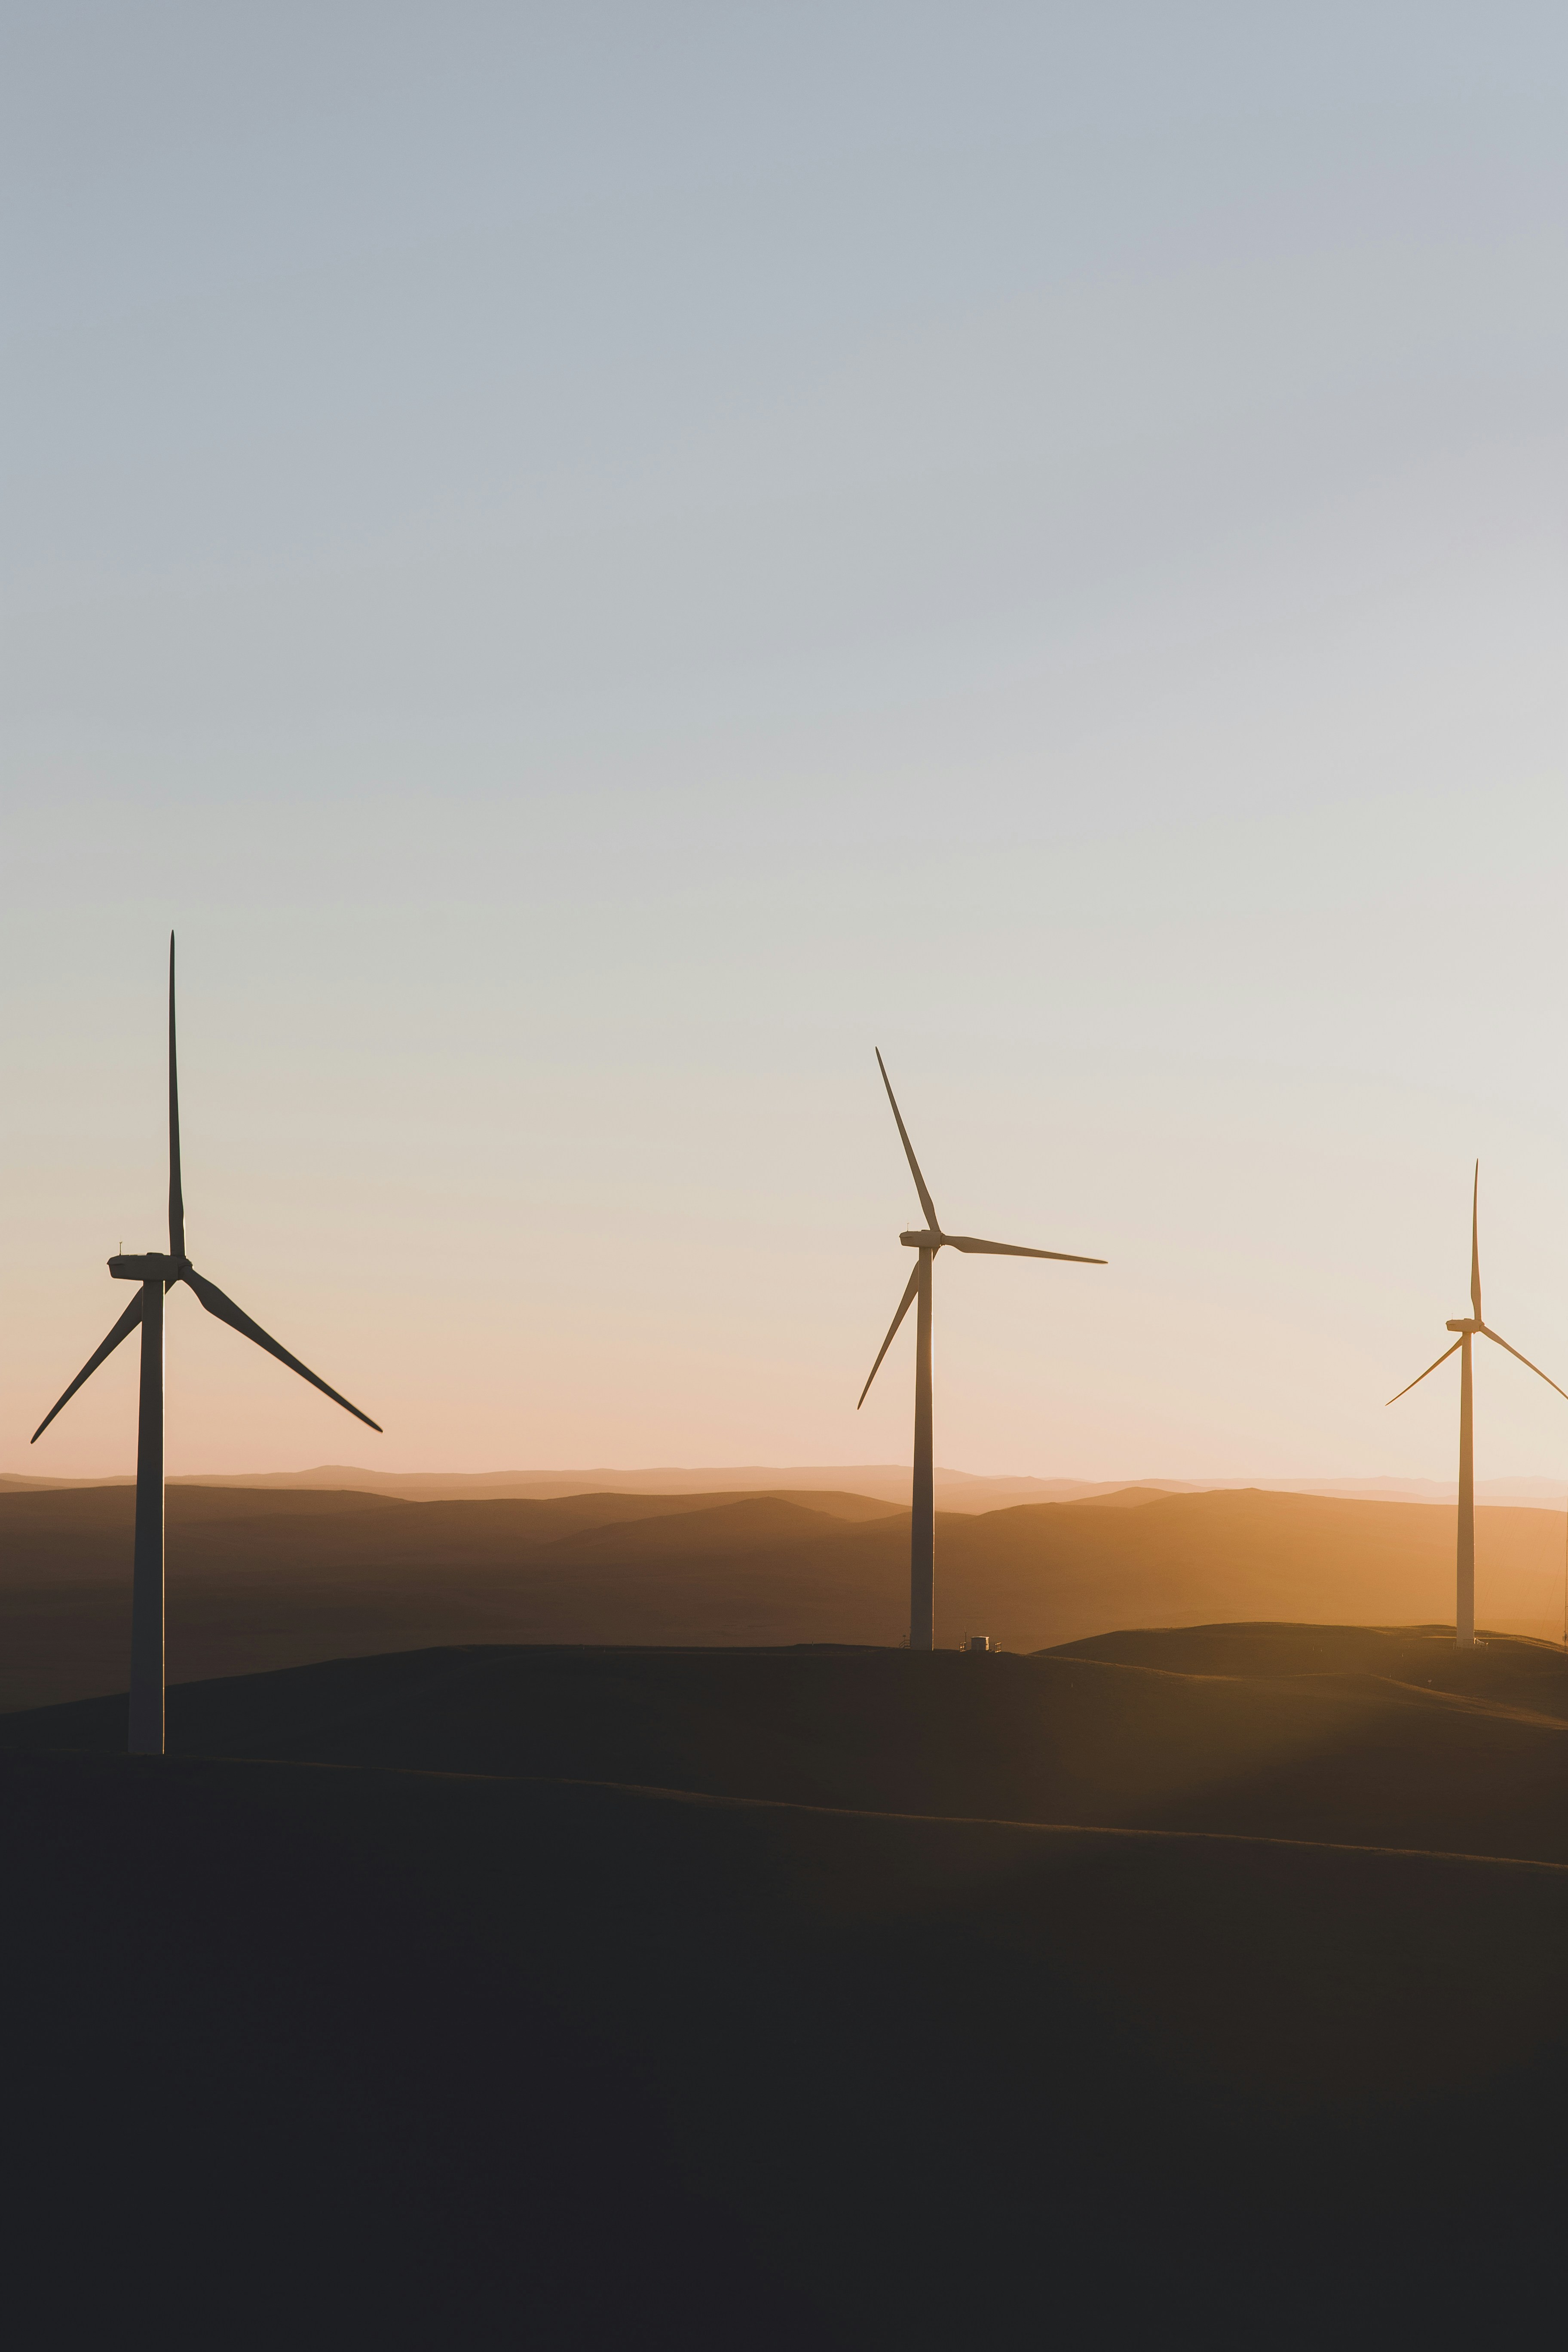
[[215, 1303], [905, 1303], [1012, 1249], [176, 1195], [926, 1202], [1524, 1360], [122, 1331], [1432, 1368], [1475, 1253]]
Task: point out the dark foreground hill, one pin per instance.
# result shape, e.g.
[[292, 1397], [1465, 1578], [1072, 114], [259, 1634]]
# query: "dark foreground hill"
[[279, 1577], [398, 2052], [1337, 1733]]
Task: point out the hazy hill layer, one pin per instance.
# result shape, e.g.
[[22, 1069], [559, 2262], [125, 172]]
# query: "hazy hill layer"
[[1195, 1559], [956, 1490], [272, 1577], [877, 1482], [268, 1578]]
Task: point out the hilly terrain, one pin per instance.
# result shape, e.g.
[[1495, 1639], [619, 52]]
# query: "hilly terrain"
[[886, 1481], [1158, 1988], [1339, 1733], [280, 1575]]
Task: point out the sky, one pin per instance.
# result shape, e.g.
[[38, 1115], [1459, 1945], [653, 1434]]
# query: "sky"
[[597, 562]]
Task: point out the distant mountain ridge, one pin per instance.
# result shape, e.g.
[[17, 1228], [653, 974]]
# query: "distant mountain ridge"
[[279, 1576], [956, 1490]]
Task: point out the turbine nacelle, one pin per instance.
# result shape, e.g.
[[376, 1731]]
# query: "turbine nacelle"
[[923, 1240], [152, 1266], [1465, 1323]]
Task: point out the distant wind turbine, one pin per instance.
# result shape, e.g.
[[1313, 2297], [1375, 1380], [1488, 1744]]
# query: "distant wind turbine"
[[922, 1530], [1466, 1326], [157, 1273]]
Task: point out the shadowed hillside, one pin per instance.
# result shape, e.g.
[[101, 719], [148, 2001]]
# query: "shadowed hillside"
[[270, 1578], [261, 1578], [420, 2051], [1361, 1737]]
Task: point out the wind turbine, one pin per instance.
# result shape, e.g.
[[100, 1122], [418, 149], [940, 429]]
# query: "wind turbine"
[[922, 1528], [157, 1273], [1466, 1326]]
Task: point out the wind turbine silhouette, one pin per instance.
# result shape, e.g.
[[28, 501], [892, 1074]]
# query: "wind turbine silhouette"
[[922, 1528], [157, 1273], [1466, 1326]]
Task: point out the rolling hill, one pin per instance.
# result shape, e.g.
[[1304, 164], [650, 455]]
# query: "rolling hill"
[[1336, 1734], [272, 1576], [397, 2005]]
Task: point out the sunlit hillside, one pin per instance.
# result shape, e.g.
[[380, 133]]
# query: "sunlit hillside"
[[272, 1578]]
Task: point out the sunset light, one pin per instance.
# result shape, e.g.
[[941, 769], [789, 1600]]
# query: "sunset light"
[[712, 627]]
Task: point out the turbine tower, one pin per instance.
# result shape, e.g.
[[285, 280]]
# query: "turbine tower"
[[1466, 1326], [157, 1273], [922, 1528]]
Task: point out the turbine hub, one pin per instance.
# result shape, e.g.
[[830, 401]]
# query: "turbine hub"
[[921, 1240], [152, 1266], [1464, 1323]]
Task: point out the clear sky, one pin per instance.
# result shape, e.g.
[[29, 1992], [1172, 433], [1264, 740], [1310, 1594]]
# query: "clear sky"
[[598, 562]]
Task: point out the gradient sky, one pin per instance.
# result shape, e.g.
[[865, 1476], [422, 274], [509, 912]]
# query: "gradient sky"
[[598, 562]]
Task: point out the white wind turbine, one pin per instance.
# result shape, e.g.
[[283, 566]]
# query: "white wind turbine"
[[156, 1274], [1468, 1326], [923, 1529]]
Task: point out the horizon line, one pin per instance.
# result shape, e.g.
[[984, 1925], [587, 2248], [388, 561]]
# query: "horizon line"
[[773, 1469]]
